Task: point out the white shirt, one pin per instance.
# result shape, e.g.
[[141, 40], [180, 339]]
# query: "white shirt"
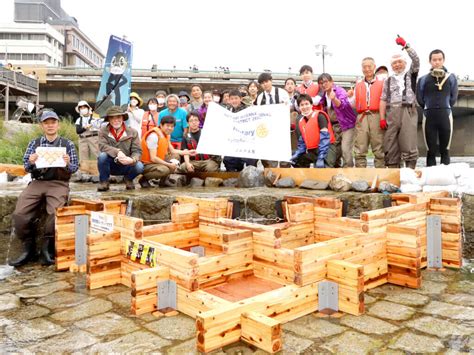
[[283, 96], [134, 121]]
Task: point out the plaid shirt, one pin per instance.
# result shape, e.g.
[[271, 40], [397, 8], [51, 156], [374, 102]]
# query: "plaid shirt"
[[70, 150]]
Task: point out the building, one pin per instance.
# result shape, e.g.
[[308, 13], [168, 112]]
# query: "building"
[[31, 44], [77, 50]]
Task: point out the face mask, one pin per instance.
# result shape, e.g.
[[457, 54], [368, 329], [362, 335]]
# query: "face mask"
[[183, 100], [116, 125], [152, 107], [161, 100], [382, 76], [133, 102], [84, 111], [216, 99]]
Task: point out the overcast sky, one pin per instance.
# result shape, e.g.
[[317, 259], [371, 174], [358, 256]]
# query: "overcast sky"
[[276, 35]]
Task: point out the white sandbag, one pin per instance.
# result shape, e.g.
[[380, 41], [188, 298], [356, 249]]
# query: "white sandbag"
[[412, 177], [25, 179], [409, 188], [433, 188], [440, 175], [3, 177], [466, 178], [459, 169]]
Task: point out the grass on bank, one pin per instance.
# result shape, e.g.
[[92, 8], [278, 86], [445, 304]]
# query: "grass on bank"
[[12, 149]]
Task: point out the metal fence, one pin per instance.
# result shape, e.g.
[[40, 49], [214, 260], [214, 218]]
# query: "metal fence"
[[18, 80]]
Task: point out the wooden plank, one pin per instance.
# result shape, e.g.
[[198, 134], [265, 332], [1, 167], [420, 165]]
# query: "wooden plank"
[[261, 331], [301, 174], [13, 169], [221, 326]]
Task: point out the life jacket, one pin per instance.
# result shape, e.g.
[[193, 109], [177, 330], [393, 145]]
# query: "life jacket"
[[149, 121], [48, 174], [162, 149], [374, 95], [310, 129], [311, 91], [192, 143]]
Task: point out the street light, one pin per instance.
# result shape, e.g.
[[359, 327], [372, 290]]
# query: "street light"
[[322, 51]]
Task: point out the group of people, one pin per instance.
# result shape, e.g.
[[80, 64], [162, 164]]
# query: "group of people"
[[330, 126]]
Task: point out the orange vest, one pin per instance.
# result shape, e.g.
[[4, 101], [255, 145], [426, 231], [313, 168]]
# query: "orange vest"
[[163, 145], [310, 130], [312, 91], [375, 95], [148, 122]]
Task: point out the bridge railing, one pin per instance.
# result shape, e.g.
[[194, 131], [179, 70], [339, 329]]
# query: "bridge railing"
[[18, 80]]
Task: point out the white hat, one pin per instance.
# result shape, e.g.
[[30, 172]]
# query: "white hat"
[[82, 103]]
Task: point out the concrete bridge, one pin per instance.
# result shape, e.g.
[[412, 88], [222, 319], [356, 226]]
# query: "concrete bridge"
[[14, 84], [61, 89]]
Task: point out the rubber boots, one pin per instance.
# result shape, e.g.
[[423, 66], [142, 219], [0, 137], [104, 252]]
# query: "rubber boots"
[[28, 254], [47, 251], [411, 164]]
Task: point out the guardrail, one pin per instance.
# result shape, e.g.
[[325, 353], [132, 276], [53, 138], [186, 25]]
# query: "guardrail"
[[18, 81]]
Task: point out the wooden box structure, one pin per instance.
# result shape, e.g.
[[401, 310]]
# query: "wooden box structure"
[[254, 277]]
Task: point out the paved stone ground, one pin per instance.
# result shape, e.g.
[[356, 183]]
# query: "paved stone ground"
[[44, 311]]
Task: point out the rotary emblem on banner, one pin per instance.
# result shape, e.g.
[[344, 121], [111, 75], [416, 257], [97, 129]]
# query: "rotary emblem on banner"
[[262, 130]]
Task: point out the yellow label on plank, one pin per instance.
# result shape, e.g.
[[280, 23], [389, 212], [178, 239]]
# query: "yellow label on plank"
[[133, 256], [143, 258]]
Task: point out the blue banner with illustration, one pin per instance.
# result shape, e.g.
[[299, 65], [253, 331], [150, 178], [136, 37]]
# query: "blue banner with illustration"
[[117, 76]]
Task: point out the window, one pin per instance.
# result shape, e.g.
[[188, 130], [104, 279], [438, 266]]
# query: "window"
[[15, 36]]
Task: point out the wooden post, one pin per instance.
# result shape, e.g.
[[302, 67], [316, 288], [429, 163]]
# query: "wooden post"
[[261, 331]]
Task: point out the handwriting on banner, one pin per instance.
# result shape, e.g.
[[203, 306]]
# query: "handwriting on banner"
[[101, 222]]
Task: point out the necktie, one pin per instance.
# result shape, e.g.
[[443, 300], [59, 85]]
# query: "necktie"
[[271, 99]]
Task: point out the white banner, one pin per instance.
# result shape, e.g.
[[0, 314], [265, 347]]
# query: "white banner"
[[258, 132]]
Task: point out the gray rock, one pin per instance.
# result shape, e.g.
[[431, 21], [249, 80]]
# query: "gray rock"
[[95, 179], [76, 177], [287, 182], [137, 343], [408, 298], [83, 311], [178, 327], [177, 180], [43, 290], [414, 343], [449, 310], [392, 311], [312, 327], [123, 299], [368, 325], [314, 185], [9, 301], [231, 182], [360, 186], [431, 288], [270, 178], [65, 343], [439, 327], [33, 330], [187, 347], [352, 343], [340, 183], [28, 312], [86, 177], [293, 344], [107, 324], [63, 299], [387, 187], [116, 179], [213, 182], [251, 177], [461, 299], [196, 182]]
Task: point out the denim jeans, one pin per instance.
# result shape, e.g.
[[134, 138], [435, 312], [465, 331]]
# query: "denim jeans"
[[107, 166]]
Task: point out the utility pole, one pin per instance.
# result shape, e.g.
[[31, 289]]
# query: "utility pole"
[[321, 50]]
